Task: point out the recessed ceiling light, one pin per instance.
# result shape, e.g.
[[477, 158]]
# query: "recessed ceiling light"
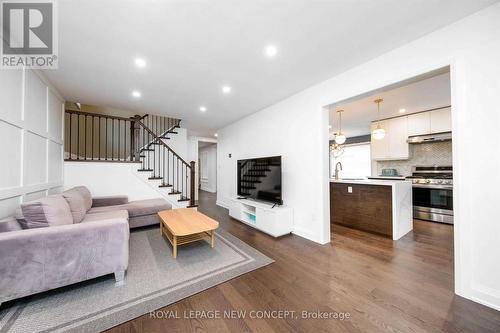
[[139, 62], [402, 110], [226, 89], [203, 109], [136, 94], [216, 135], [271, 51]]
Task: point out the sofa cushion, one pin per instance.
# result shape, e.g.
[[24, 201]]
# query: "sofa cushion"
[[110, 200], [76, 203], [9, 224], [49, 211], [109, 215], [18, 215], [87, 197], [136, 208]]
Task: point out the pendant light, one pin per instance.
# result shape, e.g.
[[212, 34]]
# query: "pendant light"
[[378, 133], [339, 136], [336, 149]]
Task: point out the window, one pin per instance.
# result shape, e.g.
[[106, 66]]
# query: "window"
[[356, 161]]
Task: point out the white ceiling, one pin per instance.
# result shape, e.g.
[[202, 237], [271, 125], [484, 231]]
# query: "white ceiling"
[[420, 95], [194, 47]]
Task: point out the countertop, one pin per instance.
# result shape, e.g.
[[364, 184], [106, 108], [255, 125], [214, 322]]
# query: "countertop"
[[385, 182]]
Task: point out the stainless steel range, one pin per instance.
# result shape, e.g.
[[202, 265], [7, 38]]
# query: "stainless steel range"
[[433, 193]]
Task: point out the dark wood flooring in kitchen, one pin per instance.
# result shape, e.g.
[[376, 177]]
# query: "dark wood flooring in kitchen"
[[385, 286]]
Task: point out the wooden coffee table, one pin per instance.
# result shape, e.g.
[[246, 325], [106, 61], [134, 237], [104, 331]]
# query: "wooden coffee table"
[[186, 225]]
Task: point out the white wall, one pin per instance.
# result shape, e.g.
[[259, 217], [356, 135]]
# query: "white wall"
[[31, 134], [108, 178], [297, 129], [179, 143], [208, 155]]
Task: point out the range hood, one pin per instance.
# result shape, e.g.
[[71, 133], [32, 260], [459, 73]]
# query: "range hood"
[[430, 138]]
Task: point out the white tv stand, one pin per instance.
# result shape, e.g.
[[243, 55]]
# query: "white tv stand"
[[277, 221]]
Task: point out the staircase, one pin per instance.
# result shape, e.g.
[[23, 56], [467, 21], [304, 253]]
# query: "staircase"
[[139, 140]]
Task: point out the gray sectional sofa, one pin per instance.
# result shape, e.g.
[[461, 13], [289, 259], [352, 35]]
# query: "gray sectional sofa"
[[68, 238]]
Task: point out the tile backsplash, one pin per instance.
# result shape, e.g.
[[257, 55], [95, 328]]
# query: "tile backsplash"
[[424, 154]]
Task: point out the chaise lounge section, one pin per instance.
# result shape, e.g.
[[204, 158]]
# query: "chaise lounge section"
[[68, 238]]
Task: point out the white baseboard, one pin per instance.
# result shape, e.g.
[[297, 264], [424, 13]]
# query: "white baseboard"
[[308, 235], [221, 204], [207, 189]]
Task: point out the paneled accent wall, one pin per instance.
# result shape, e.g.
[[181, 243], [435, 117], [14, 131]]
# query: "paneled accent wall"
[[424, 154], [31, 139]]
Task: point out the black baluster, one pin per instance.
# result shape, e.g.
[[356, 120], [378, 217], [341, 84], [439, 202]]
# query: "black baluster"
[[164, 170], [106, 141], [70, 143], [99, 141], [92, 141], [118, 138], [112, 139]]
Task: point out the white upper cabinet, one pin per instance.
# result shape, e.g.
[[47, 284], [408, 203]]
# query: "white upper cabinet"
[[393, 146], [440, 120], [380, 148], [398, 134], [397, 130], [430, 122], [419, 124]]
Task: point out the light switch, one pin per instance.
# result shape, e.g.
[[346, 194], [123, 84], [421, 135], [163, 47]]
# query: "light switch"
[[349, 189]]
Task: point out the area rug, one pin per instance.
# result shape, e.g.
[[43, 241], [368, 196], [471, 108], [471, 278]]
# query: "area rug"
[[153, 280]]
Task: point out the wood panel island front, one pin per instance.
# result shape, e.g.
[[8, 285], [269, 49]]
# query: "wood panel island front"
[[379, 206]]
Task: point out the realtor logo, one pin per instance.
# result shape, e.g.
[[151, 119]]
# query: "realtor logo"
[[28, 34]]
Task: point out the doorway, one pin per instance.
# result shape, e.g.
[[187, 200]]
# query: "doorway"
[[398, 133], [207, 166]]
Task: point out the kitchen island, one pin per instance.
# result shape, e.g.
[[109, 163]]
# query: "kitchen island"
[[380, 206]]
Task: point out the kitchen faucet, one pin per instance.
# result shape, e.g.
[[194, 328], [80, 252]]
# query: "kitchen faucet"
[[338, 167]]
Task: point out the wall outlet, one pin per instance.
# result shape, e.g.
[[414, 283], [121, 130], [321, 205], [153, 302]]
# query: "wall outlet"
[[349, 189]]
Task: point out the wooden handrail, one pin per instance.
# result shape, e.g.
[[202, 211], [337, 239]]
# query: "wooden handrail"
[[100, 115], [156, 138]]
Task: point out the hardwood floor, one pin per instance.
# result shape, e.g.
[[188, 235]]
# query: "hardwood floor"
[[385, 286]]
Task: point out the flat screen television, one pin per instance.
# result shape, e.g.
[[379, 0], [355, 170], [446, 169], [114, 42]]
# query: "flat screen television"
[[260, 179]]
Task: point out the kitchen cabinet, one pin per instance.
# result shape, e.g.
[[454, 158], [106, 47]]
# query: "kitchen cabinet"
[[393, 146], [398, 134], [380, 148], [378, 206], [440, 120], [436, 121], [419, 123]]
